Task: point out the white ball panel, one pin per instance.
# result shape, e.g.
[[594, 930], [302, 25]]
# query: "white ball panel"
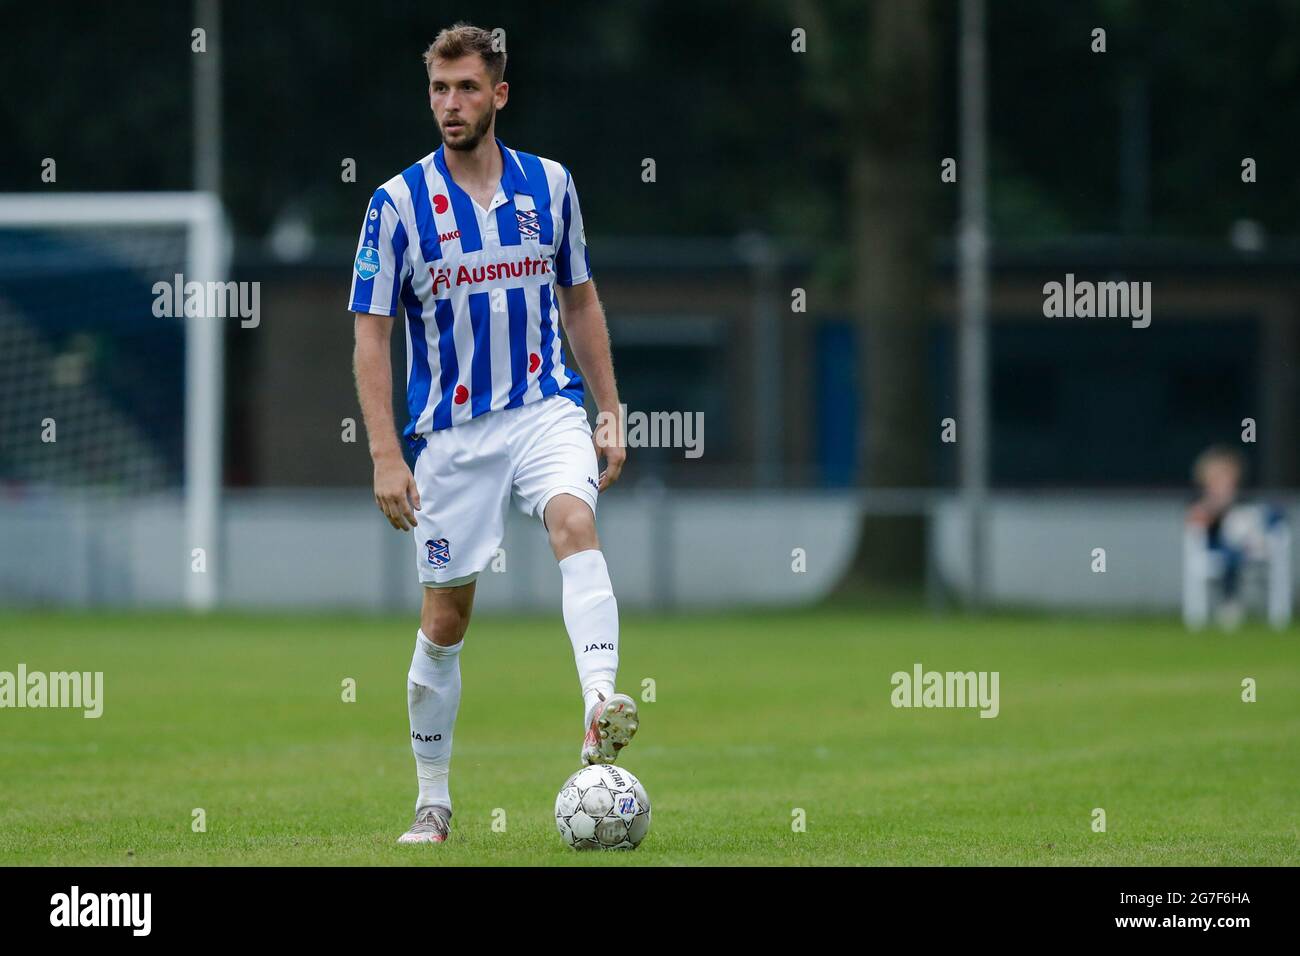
[[611, 831], [567, 801], [639, 827], [597, 802], [582, 826]]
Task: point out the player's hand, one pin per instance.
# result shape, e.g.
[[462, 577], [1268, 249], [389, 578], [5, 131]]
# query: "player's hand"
[[395, 492], [615, 455]]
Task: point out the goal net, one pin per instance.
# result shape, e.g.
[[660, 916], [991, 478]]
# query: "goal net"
[[105, 389]]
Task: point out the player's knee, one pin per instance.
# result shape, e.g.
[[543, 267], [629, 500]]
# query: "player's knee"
[[444, 623], [573, 529]]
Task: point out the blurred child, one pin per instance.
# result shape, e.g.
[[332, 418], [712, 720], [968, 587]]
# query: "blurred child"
[[1218, 472]]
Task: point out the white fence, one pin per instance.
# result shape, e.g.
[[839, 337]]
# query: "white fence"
[[304, 549]]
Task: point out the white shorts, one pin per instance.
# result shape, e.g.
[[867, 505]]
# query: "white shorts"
[[467, 475]]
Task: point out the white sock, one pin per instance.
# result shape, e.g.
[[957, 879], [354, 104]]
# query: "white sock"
[[591, 617], [432, 698]]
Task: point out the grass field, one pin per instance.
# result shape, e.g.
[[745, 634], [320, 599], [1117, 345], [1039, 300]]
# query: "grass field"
[[755, 715]]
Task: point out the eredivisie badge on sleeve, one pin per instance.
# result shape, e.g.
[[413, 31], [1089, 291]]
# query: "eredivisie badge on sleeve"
[[367, 264]]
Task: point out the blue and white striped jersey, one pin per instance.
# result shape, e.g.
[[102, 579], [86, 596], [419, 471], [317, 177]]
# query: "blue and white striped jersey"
[[478, 286]]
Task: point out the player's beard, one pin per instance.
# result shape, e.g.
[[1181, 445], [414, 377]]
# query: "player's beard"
[[475, 135]]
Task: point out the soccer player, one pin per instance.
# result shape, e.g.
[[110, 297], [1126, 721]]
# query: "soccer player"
[[484, 248]]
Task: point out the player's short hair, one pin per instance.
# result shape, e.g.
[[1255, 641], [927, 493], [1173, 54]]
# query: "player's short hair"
[[465, 39], [1214, 455]]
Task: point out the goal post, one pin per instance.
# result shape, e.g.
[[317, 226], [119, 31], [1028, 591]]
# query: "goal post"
[[113, 220]]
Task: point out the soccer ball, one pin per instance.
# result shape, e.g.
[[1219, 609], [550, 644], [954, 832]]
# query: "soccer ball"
[[602, 807]]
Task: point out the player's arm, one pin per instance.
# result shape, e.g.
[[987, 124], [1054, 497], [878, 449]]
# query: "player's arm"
[[584, 324], [395, 490], [588, 334]]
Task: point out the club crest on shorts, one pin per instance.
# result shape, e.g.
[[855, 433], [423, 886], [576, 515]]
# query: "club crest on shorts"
[[438, 552], [528, 226]]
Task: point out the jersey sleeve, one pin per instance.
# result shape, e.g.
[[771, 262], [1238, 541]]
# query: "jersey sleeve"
[[572, 265], [380, 263]]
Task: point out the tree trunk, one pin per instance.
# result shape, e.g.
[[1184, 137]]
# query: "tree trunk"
[[892, 170]]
